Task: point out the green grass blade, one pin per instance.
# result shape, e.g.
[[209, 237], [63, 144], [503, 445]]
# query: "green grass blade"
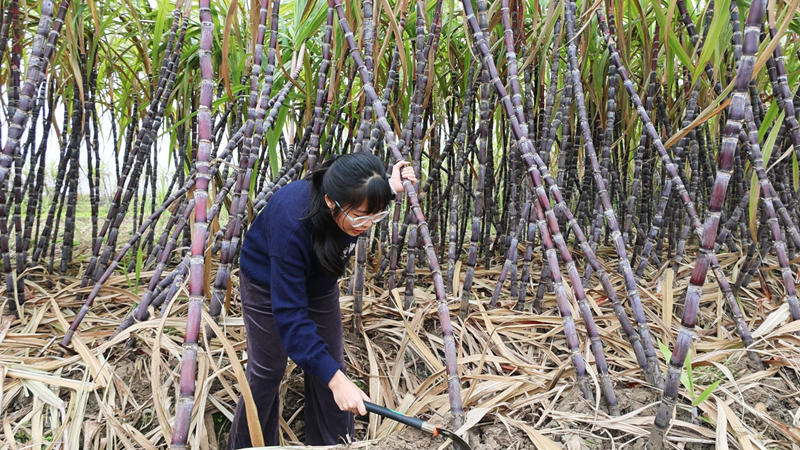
[[706, 393]]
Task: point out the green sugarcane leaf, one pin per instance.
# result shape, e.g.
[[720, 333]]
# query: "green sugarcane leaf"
[[755, 191], [139, 257], [689, 380], [718, 23], [252, 187], [600, 72], [160, 25], [795, 172], [769, 120], [753, 207], [672, 39], [766, 151], [272, 139], [664, 350], [706, 393]]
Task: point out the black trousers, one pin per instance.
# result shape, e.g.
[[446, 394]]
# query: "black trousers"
[[326, 424]]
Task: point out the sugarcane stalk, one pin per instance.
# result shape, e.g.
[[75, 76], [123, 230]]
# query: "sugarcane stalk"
[[630, 206], [451, 367], [709, 230], [41, 51], [511, 258], [64, 344], [197, 294], [521, 134], [480, 184], [654, 370], [254, 130], [140, 313], [368, 28], [678, 185], [321, 93]]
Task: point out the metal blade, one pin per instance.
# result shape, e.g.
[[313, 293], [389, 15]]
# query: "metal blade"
[[456, 440]]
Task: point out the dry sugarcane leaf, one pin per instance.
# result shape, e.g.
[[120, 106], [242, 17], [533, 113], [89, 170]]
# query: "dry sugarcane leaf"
[[43, 393], [741, 433], [398, 37], [539, 440], [9, 432], [773, 44], [667, 300], [252, 413], [420, 346], [772, 321], [722, 427], [155, 378], [201, 397], [76, 417], [374, 385], [57, 438], [123, 431], [26, 373], [5, 324], [2, 383], [224, 69], [37, 422], [212, 437], [100, 371]]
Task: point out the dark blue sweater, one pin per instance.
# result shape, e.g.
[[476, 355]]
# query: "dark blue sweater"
[[278, 254]]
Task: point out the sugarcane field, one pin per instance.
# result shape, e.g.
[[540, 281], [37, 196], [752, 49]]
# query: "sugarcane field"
[[400, 224]]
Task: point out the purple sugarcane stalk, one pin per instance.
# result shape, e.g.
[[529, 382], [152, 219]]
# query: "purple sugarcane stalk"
[[361, 142], [526, 266], [480, 184], [511, 257], [13, 8], [362, 136], [630, 206], [41, 52], [678, 185], [726, 235], [691, 109], [568, 321], [252, 140], [140, 313], [606, 152], [64, 344], [788, 104], [528, 151], [709, 229], [134, 159], [321, 92], [197, 294], [459, 140], [454, 384], [165, 297], [770, 198], [654, 370]]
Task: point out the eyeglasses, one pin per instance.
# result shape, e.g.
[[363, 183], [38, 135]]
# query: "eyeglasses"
[[360, 221]]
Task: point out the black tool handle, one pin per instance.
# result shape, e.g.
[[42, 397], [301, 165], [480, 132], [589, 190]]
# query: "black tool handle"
[[394, 415]]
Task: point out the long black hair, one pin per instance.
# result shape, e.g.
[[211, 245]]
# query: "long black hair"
[[351, 180]]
